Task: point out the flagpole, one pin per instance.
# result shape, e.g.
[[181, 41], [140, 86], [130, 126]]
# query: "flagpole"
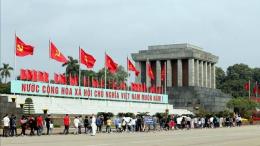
[[128, 75], [165, 78], [256, 89], [14, 55], [105, 71], [249, 89], [49, 59], [79, 65]]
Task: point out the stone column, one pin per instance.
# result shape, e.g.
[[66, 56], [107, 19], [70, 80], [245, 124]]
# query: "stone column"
[[213, 76], [179, 72], [209, 75], [158, 73], [148, 79], [205, 66], [197, 73], [138, 67], [191, 72], [201, 75], [169, 73]]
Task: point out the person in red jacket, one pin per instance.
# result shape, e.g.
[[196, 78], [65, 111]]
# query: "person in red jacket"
[[39, 125], [66, 121]]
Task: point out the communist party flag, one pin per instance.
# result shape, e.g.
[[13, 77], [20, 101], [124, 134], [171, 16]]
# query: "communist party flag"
[[131, 67], [110, 64], [150, 71], [163, 72], [22, 49], [56, 54], [87, 59]]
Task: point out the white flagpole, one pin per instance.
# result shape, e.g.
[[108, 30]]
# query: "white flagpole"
[[14, 55], [128, 75], [79, 66]]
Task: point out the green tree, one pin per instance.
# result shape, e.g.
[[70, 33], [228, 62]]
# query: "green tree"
[[72, 66], [6, 71], [256, 74], [243, 106], [119, 76], [220, 77], [237, 76]]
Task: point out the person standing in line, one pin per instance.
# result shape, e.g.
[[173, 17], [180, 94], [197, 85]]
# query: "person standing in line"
[[31, 124], [66, 122], [48, 122], [39, 125], [76, 125], [6, 122], [13, 125], [80, 124], [116, 123], [133, 124], [86, 124], [93, 125], [108, 127], [23, 122], [99, 124]]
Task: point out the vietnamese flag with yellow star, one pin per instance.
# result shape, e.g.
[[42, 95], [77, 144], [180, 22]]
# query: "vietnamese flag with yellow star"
[[56, 54], [22, 49], [87, 59]]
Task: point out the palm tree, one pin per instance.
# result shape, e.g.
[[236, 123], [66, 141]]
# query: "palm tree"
[[5, 71], [72, 66]]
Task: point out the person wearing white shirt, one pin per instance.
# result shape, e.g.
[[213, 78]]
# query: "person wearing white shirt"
[[93, 125], [76, 125], [6, 122]]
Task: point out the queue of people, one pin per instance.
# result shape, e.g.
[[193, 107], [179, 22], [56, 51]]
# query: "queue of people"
[[92, 125]]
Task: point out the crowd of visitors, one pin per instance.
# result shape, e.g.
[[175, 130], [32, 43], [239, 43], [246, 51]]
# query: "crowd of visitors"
[[90, 124]]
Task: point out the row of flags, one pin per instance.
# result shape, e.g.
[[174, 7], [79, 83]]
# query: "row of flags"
[[23, 49]]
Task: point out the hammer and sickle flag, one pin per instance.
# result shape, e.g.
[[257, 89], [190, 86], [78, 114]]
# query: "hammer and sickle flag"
[[110, 64], [87, 59], [56, 54], [23, 49]]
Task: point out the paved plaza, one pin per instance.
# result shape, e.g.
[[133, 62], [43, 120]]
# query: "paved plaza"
[[239, 136]]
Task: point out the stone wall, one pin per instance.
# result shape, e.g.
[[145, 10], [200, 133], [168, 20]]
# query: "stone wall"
[[213, 100]]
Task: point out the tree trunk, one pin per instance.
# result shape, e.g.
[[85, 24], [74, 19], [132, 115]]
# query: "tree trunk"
[[5, 80]]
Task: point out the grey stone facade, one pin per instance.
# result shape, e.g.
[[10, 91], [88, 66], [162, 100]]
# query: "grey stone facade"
[[188, 69]]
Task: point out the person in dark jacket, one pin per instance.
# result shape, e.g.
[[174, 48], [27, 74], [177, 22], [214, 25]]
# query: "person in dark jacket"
[[48, 122]]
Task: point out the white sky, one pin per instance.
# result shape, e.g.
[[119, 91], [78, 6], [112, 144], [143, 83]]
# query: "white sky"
[[226, 28]]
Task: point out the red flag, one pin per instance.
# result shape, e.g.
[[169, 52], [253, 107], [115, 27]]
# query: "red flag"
[[87, 59], [110, 64], [150, 72], [56, 78], [45, 77], [34, 76], [122, 85], [22, 49], [40, 76], [163, 73], [246, 86], [73, 80], [56, 54], [84, 81], [23, 74], [131, 67], [133, 86], [63, 79], [102, 83], [144, 87], [152, 89], [29, 75], [95, 83], [255, 89]]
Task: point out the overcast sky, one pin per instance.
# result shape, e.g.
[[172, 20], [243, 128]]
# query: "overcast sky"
[[229, 29]]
